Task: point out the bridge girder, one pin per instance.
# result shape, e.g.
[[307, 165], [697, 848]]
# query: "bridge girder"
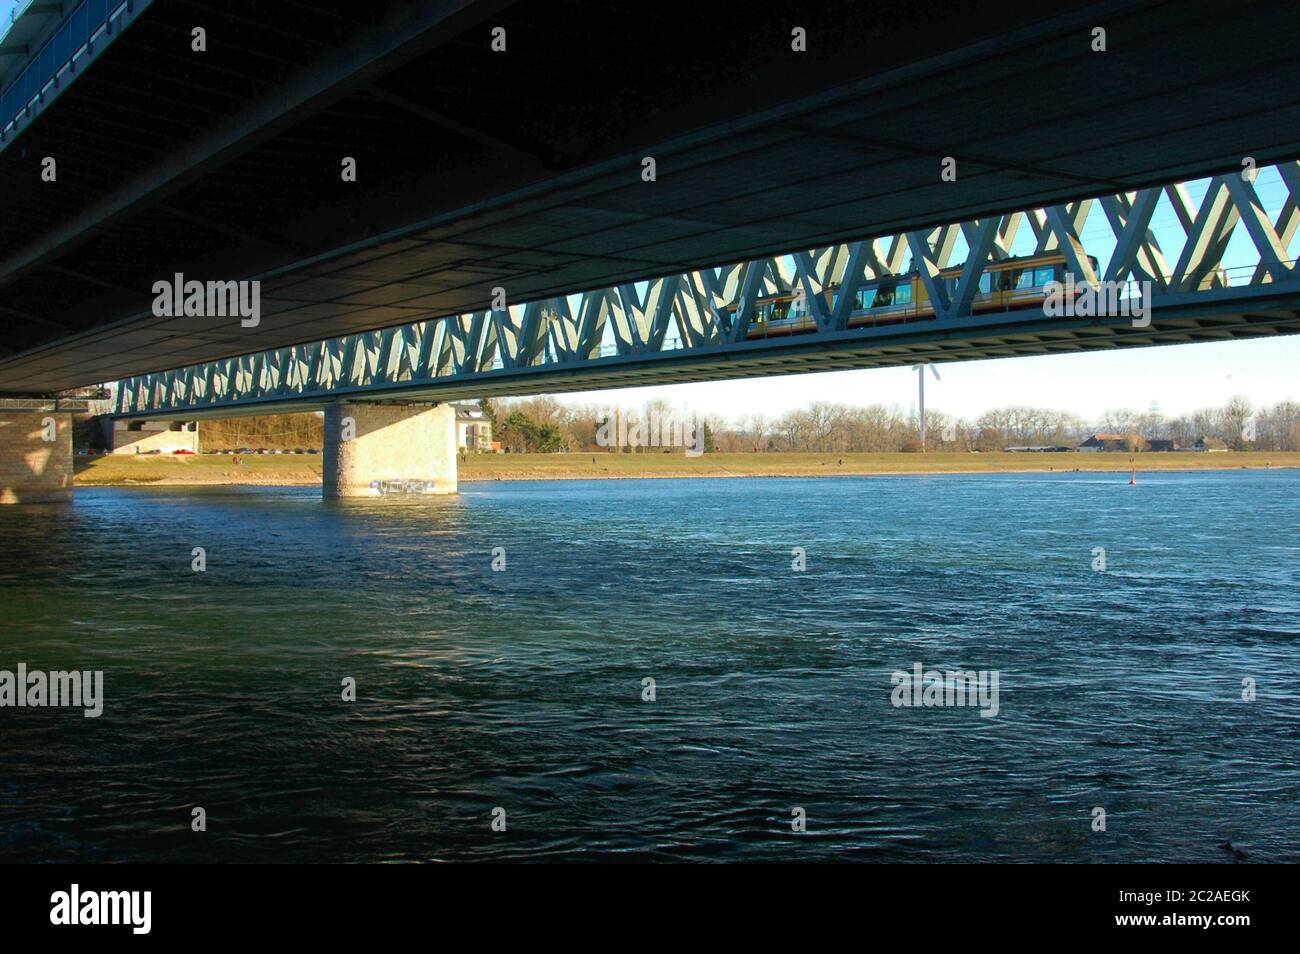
[[700, 325]]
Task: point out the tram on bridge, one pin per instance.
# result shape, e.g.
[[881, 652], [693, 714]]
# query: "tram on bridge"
[[1004, 285]]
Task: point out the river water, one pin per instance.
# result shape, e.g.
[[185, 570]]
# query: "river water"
[[523, 689]]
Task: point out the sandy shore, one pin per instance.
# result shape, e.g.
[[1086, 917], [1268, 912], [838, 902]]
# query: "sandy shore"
[[304, 470]]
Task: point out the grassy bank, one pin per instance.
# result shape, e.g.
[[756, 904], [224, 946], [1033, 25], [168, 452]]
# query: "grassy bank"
[[126, 469], [568, 466], [292, 469]]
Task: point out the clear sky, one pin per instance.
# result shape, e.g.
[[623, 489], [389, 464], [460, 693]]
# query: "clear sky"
[[6, 8], [1178, 378]]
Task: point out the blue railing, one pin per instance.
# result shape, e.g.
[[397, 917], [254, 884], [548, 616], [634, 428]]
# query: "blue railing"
[[74, 37]]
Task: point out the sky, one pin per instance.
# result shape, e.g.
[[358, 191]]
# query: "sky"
[[1175, 378], [6, 8]]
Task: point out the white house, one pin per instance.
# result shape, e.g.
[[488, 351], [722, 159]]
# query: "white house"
[[473, 428]]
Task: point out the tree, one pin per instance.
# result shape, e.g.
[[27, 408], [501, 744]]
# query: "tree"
[[547, 439], [515, 432], [1121, 421], [1236, 413], [1278, 428], [989, 440], [489, 409]]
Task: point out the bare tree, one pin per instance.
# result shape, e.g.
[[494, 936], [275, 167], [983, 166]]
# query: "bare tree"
[[1236, 413], [1122, 421]]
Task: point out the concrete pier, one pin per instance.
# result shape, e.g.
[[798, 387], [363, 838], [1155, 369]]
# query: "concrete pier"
[[374, 450], [35, 456]]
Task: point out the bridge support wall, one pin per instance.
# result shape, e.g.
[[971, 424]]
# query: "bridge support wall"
[[375, 450], [35, 456], [162, 437]]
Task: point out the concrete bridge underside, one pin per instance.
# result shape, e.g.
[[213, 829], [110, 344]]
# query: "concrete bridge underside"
[[523, 169], [1195, 278]]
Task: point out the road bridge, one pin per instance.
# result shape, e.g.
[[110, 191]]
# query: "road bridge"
[[1016, 284], [711, 324], [520, 165]]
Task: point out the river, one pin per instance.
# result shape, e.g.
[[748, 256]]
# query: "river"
[[521, 694]]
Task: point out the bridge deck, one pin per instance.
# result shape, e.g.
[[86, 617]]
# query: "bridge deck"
[[710, 324], [477, 170]]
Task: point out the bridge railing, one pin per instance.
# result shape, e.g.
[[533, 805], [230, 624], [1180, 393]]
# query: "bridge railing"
[[76, 37]]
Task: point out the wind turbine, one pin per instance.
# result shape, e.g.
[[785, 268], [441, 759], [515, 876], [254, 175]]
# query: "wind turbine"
[[920, 389]]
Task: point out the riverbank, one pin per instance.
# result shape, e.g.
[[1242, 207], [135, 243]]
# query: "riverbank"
[[304, 470]]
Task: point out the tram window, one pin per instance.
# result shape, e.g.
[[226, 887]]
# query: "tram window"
[[1043, 275], [884, 296], [986, 283], [1024, 278], [780, 310]]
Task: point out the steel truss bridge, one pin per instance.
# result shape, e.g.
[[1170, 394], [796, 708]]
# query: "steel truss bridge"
[[701, 325]]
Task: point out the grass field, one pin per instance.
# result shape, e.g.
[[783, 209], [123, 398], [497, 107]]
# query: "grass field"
[[292, 469], [123, 469]]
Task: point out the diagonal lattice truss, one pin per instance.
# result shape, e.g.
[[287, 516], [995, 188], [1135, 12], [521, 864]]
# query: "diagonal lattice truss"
[[1218, 255]]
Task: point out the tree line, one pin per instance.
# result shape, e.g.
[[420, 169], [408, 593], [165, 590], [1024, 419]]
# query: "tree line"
[[544, 424], [287, 431]]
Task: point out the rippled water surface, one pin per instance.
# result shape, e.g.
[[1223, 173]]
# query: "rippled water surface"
[[523, 688]]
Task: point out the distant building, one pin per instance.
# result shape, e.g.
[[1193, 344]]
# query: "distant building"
[[473, 428], [152, 437], [1040, 449], [1106, 442], [1211, 445], [1125, 442]]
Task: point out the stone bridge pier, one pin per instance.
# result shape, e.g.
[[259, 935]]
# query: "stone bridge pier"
[[35, 456], [380, 450]]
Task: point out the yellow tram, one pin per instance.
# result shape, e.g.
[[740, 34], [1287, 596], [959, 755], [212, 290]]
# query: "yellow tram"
[[1003, 286]]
